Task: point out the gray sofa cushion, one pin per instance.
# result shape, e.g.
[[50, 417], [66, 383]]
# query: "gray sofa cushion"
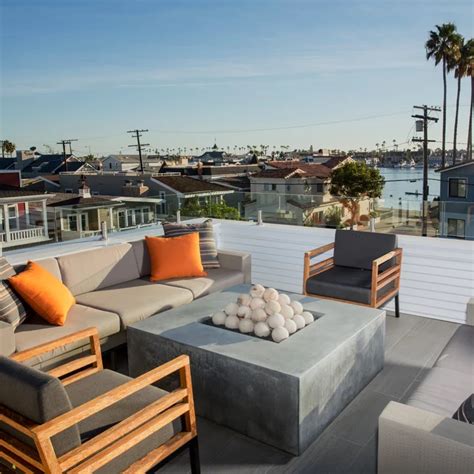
[[38, 397], [136, 300], [49, 264], [350, 284], [140, 250], [459, 352], [216, 280], [90, 387], [12, 310], [440, 391], [36, 331], [83, 272], [358, 249]]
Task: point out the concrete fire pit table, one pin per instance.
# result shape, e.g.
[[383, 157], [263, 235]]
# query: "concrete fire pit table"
[[283, 394]]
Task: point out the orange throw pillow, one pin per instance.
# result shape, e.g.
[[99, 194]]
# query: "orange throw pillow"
[[174, 257], [43, 292]]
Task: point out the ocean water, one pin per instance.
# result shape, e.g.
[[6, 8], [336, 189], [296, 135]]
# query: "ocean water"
[[399, 181]]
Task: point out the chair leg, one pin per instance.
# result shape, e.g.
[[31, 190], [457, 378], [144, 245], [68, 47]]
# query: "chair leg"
[[397, 306], [194, 456]]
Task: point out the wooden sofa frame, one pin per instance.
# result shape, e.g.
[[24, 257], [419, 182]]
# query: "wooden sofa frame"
[[379, 279], [114, 441]]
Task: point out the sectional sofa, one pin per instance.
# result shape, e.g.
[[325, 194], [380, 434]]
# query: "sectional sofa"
[[112, 291], [420, 436]]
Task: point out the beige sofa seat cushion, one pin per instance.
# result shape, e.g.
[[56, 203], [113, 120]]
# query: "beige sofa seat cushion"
[[36, 331], [136, 300], [217, 280], [83, 272]]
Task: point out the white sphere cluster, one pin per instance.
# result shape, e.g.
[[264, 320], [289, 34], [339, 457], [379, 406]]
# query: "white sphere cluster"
[[264, 312]]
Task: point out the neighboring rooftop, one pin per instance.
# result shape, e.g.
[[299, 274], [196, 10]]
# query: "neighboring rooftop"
[[187, 185]]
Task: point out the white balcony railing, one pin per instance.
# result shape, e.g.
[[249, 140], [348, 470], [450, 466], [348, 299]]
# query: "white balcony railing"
[[23, 236]]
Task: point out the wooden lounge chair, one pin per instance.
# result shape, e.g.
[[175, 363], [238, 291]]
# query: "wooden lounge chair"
[[80, 417], [365, 269]]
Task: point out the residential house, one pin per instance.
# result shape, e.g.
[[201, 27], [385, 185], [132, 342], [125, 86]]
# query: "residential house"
[[131, 162], [23, 217], [52, 164], [297, 193], [456, 207]]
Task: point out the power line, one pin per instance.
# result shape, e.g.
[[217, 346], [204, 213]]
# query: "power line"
[[137, 134]]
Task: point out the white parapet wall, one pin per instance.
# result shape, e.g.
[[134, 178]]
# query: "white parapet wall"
[[437, 274]]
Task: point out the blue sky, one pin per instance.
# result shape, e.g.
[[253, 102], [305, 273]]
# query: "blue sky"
[[194, 70]]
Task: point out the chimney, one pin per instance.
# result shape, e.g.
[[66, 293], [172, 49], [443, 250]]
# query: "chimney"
[[84, 190], [135, 189]]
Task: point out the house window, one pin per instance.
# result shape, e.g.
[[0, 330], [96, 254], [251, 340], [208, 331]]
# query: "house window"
[[458, 187], [71, 222], [288, 187], [110, 166], [457, 228], [68, 190], [319, 187], [13, 216], [85, 221]]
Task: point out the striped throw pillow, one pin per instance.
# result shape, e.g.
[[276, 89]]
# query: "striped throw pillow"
[[12, 310], [207, 242], [465, 412]]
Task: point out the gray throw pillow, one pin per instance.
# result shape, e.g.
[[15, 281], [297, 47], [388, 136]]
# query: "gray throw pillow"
[[207, 242], [12, 310]]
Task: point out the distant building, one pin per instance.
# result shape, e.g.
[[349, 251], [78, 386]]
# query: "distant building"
[[23, 217], [124, 163], [457, 201], [49, 164]]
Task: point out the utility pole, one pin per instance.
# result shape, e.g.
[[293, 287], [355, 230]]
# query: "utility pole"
[[64, 143], [424, 120], [137, 134]]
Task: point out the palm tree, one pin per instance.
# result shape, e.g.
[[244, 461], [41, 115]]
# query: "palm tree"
[[460, 63], [469, 48], [441, 47]]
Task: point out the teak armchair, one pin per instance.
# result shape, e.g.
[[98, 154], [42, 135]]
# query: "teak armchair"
[[365, 269], [80, 417]]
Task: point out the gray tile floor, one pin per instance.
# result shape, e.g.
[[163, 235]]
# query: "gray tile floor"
[[349, 444]]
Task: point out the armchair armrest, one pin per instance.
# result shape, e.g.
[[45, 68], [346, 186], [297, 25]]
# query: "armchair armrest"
[[391, 274], [239, 261], [114, 441], [7, 339], [319, 267], [94, 360], [415, 440]]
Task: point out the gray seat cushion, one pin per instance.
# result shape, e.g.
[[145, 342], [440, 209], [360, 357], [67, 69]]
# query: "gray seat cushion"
[[441, 391], [216, 280], [350, 284], [35, 331], [90, 387], [359, 249], [459, 352], [136, 300], [38, 397]]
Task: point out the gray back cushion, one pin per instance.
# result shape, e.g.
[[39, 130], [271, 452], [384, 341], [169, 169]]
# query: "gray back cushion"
[[142, 257], [95, 269], [37, 396], [358, 249]]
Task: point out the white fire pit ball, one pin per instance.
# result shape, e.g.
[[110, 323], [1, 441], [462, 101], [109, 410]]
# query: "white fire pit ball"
[[283, 299], [280, 334], [276, 321], [308, 317], [287, 311], [231, 309], [244, 312], [244, 299], [246, 325], [298, 320], [290, 326], [297, 307], [272, 307], [258, 315], [232, 322], [270, 294], [261, 329], [219, 318], [257, 303], [257, 291]]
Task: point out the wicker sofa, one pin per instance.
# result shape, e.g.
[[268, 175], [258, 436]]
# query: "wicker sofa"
[[420, 435], [112, 291]]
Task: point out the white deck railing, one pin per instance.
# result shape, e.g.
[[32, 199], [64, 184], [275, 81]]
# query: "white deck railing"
[[17, 237]]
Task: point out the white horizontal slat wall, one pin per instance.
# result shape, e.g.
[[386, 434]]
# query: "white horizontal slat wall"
[[437, 274]]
